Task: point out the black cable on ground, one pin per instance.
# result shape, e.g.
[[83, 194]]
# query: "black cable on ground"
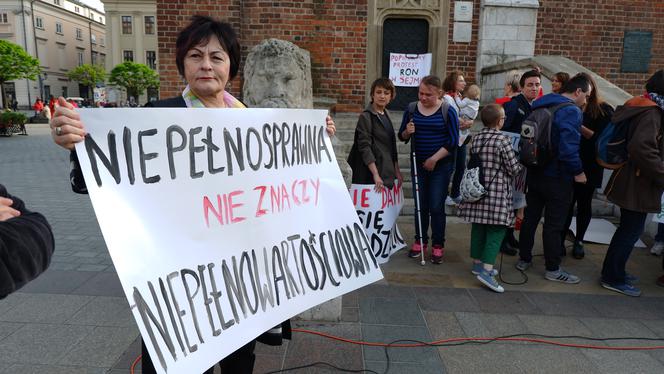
[[526, 337]]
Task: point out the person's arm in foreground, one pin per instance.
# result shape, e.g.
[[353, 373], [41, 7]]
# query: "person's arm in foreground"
[[26, 243]]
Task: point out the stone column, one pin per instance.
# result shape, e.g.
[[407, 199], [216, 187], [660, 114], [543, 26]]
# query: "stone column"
[[507, 31], [139, 53]]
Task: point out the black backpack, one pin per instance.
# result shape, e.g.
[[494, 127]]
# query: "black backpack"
[[535, 143]]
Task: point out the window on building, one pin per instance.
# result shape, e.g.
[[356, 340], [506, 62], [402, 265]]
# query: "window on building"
[[151, 59], [77, 10], [95, 58], [56, 2], [101, 41], [149, 25], [102, 59], [4, 18], [58, 28], [79, 34], [126, 24], [80, 58], [128, 56], [93, 38], [65, 91], [39, 23]]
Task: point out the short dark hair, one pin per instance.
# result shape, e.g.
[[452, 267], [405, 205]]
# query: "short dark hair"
[[562, 77], [449, 84], [529, 74], [491, 114], [432, 80], [385, 83], [579, 81], [198, 31], [655, 83]]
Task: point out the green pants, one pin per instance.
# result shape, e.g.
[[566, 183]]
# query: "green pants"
[[485, 241]]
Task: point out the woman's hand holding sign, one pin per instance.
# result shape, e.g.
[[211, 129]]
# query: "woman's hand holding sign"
[[66, 126]]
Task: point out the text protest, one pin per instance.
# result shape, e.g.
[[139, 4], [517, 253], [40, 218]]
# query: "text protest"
[[407, 70], [378, 212], [221, 223]]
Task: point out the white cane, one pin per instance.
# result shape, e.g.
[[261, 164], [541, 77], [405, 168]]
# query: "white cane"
[[417, 195]]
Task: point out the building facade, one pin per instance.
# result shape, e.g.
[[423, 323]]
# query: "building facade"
[[131, 26], [350, 40], [61, 34]]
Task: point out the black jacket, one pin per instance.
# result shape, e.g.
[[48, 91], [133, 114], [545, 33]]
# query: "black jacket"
[[594, 172], [375, 142], [26, 246], [516, 111]]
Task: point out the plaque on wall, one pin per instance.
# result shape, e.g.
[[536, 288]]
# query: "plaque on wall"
[[637, 52], [463, 11], [462, 32]]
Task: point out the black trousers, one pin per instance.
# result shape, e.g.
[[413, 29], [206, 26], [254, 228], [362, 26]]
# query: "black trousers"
[[583, 197], [549, 196], [240, 361]]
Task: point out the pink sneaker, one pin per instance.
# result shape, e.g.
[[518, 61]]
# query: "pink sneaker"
[[437, 254], [416, 250]]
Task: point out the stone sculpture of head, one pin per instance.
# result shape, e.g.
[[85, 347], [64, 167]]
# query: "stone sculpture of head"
[[277, 74]]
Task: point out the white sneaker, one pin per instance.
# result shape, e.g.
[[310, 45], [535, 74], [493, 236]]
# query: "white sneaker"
[[657, 248], [450, 201]]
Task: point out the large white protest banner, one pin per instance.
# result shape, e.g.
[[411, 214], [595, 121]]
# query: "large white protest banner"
[[407, 70], [378, 212], [221, 223]]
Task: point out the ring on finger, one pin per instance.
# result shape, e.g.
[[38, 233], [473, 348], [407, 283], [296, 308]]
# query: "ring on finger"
[[58, 131]]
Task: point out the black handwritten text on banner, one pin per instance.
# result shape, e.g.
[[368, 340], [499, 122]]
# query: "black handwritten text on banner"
[[221, 223]]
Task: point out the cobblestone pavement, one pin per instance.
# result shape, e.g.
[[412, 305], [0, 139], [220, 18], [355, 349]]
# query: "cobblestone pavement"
[[75, 318]]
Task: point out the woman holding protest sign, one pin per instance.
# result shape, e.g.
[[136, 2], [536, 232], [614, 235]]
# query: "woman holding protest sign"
[[373, 156], [434, 144], [208, 57]]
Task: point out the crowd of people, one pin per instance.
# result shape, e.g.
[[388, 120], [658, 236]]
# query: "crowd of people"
[[565, 176]]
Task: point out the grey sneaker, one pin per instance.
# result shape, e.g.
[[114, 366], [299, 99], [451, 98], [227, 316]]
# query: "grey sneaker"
[[561, 276], [523, 265], [657, 248]]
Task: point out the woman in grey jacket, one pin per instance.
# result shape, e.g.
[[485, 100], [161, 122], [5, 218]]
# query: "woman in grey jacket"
[[373, 156]]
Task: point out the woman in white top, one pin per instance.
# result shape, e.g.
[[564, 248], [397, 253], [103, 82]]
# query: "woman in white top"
[[453, 86]]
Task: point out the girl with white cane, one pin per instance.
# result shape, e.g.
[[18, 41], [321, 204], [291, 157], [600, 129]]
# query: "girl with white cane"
[[437, 137]]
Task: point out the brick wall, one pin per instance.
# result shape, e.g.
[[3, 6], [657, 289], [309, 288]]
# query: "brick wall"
[[591, 33], [333, 32], [463, 56]]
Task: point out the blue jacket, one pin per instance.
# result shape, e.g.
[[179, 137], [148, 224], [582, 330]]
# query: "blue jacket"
[[565, 137]]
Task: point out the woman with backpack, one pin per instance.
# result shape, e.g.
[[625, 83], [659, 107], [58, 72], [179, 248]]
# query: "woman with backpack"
[[637, 186], [434, 144], [596, 115], [491, 151]]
